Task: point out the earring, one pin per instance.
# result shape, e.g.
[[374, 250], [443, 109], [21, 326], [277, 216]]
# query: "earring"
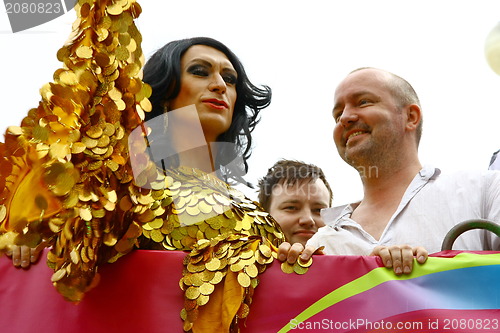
[[165, 115]]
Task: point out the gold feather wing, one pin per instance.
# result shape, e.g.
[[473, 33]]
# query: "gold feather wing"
[[64, 169]]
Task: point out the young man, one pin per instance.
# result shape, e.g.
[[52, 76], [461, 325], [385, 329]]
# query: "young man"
[[294, 193], [378, 128]]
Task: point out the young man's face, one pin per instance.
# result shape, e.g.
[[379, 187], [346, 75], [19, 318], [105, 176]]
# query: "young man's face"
[[297, 208]]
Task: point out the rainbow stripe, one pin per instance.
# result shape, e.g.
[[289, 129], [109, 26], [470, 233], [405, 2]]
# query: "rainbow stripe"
[[462, 283]]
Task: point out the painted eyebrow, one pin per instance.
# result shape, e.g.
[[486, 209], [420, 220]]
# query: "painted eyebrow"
[[209, 65], [199, 61]]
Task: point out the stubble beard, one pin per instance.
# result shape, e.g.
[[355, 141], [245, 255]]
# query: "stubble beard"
[[373, 157]]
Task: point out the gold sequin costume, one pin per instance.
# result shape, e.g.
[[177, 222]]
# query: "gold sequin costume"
[[65, 179]]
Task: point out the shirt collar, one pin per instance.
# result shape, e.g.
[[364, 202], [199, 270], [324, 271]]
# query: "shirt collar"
[[339, 213]]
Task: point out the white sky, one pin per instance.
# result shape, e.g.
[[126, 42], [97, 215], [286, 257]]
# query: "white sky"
[[302, 51]]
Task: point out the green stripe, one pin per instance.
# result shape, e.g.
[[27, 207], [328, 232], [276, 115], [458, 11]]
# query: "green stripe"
[[380, 275]]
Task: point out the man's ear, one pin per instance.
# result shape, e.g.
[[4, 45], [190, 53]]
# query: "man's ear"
[[413, 116]]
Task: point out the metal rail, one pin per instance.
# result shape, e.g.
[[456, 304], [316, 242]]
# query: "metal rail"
[[467, 225]]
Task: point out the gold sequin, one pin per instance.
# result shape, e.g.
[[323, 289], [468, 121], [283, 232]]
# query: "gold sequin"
[[286, 267], [244, 280]]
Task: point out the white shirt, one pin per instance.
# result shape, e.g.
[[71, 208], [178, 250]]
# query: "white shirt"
[[433, 203]]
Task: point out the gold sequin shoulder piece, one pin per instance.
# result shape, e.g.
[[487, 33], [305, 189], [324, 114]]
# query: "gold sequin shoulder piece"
[[230, 238]]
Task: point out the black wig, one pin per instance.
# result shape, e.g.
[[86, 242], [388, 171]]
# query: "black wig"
[[163, 71]]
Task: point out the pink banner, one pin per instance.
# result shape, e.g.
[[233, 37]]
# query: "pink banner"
[[141, 293]]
